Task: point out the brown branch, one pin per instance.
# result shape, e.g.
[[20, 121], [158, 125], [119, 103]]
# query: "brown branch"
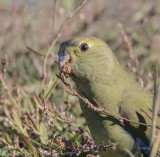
[[93, 150], [127, 42], [129, 153], [158, 127], [90, 105], [72, 153], [76, 94]]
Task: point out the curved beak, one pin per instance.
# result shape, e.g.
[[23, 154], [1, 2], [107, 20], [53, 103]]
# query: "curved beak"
[[64, 60], [63, 57]]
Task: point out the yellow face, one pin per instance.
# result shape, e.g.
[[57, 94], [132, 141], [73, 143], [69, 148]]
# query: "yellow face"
[[71, 50], [75, 49], [79, 56]]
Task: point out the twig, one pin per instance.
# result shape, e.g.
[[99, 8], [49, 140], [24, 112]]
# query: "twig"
[[156, 101], [129, 153], [54, 17], [79, 96], [127, 42], [69, 122], [36, 52], [45, 110], [82, 4], [90, 105], [51, 123], [155, 146], [9, 94], [86, 148], [14, 7], [3, 64], [72, 153]]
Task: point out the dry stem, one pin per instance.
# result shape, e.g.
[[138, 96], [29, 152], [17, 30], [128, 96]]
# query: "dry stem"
[[100, 108], [68, 18]]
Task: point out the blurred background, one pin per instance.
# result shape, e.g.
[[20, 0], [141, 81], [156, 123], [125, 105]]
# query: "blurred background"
[[131, 29]]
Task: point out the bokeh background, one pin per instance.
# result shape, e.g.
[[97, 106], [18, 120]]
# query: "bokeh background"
[[131, 29]]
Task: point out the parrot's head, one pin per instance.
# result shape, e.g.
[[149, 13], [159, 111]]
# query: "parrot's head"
[[85, 58]]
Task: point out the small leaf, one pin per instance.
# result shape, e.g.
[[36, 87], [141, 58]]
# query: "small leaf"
[[50, 89], [8, 140], [36, 52], [75, 137], [60, 119], [30, 146], [37, 101], [44, 133], [18, 122], [3, 152], [32, 121], [78, 143]]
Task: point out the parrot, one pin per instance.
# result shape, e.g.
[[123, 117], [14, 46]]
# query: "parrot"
[[98, 75]]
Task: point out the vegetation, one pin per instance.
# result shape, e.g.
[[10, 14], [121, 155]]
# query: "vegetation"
[[39, 116]]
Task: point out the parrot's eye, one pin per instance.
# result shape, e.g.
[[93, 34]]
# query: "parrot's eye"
[[84, 47]]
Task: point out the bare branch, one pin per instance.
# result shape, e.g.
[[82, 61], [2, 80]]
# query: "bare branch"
[[100, 108]]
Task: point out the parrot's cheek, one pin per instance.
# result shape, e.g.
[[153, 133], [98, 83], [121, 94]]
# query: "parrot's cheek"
[[64, 61]]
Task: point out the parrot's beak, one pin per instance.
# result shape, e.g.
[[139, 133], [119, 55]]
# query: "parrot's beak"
[[64, 61]]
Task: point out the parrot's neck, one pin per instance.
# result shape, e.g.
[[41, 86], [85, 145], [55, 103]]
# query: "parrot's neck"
[[103, 90]]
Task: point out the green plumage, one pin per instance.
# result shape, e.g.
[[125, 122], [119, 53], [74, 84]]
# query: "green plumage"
[[98, 74]]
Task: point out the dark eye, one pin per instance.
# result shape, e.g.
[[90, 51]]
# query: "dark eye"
[[84, 47]]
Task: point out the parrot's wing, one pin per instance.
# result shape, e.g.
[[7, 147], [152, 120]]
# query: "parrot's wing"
[[141, 117]]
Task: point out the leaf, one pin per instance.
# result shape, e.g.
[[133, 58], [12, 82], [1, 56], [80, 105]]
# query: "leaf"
[[30, 146], [34, 51], [78, 143], [60, 119], [75, 137], [8, 140], [50, 89], [44, 133], [3, 152], [18, 122], [32, 121], [38, 102]]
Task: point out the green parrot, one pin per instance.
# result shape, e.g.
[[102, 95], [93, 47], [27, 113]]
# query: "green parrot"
[[98, 76]]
